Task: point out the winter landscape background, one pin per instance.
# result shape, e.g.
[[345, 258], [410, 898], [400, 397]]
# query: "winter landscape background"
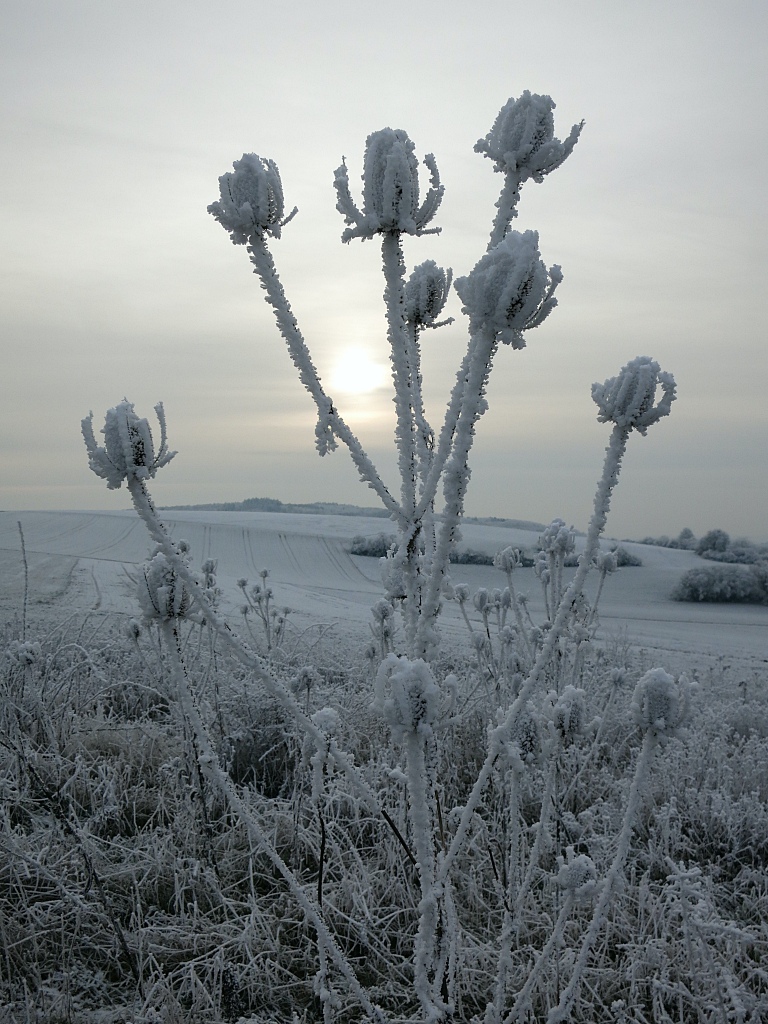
[[117, 121], [248, 774]]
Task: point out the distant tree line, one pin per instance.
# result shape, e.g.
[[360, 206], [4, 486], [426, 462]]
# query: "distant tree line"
[[716, 545], [378, 545]]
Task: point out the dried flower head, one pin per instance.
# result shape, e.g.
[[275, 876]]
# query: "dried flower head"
[[568, 713], [162, 593], [251, 199], [628, 399], [426, 293], [522, 140], [508, 559], [510, 290], [607, 561], [390, 189], [128, 450], [660, 704], [558, 539], [577, 874], [406, 695]]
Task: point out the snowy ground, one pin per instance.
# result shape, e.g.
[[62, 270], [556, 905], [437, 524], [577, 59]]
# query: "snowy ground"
[[85, 563]]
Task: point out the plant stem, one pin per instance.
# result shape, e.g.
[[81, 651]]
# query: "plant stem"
[[275, 295]]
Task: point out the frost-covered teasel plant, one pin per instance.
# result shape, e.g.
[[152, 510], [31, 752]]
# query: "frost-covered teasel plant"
[[458, 854], [510, 291]]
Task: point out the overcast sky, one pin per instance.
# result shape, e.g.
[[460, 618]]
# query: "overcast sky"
[[118, 118]]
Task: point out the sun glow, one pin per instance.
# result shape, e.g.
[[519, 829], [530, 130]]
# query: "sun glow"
[[355, 373]]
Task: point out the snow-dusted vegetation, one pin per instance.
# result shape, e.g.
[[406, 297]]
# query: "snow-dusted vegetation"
[[473, 807]]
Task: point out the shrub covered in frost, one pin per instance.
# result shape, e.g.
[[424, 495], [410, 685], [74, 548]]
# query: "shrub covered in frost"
[[729, 584]]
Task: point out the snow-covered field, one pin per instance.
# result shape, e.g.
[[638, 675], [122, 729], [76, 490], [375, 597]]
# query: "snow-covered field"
[[186, 828], [85, 562]]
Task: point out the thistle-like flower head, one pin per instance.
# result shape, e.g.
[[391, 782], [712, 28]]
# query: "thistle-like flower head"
[[660, 704], [163, 594], [128, 451], [407, 696], [390, 189], [577, 874], [558, 539], [522, 141], [568, 713], [426, 293], [510, 290], [251, 199], [628, 399]]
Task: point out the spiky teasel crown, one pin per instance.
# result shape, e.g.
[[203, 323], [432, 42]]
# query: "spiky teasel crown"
[[251, 199], [390, 189], [128, 451], [522, 141], [426, 293], [628, 398], [661, 705], [510, 290]]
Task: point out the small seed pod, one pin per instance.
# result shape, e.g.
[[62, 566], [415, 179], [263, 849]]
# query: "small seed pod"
[[569, 713], [577, 875], [407, 696], [558, 539], [607, 561], [660, 704], [162, 593], [507, 559], [426, 293]]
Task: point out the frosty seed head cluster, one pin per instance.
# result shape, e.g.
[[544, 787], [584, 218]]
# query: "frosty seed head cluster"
[[163, 593], [661, 704], [426, 293]]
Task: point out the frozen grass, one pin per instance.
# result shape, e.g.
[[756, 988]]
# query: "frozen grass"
[[129, 884]]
